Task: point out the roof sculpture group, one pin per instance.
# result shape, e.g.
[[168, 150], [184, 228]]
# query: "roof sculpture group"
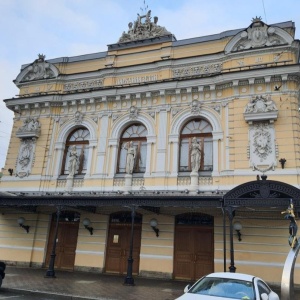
[[143, 28]]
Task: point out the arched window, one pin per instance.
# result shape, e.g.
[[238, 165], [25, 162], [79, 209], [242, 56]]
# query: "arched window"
[[136, 134], [80, 139], [202, 130]]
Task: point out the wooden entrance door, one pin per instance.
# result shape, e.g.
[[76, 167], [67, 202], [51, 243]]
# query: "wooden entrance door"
[[118, 246], [193, 252], [65, 245]]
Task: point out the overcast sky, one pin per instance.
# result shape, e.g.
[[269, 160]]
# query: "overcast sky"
[[59, 28]]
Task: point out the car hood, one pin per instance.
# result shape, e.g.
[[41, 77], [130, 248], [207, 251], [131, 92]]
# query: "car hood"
[[190, 296]]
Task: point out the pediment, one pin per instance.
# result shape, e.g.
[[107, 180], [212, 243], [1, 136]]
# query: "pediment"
[[38, 70], [257, 35]]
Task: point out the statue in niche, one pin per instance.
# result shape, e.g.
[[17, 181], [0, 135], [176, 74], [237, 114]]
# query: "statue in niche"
[[195, 155], [73, 161], [293, 227], [130, 157]]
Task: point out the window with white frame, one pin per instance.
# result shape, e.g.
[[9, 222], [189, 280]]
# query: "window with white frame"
[[78, 138], [202, 130], [136, 134]]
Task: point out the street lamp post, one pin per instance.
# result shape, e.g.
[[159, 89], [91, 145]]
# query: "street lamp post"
[[129, 279], [231, 213], [50, 272]]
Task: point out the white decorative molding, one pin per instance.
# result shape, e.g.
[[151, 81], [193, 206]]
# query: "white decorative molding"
[[202, 180], [82, 85], [138, 182], [258, 34], [260, 108], [31, 128], [133, 112], [25, 159], [119, 182], [183, 181], [205, 180], [136, 79], [78, 117], [195, 107], [262, 146], [202, 69], [39, 69]]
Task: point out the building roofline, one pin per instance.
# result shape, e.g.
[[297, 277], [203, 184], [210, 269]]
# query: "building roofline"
[[175, 43]]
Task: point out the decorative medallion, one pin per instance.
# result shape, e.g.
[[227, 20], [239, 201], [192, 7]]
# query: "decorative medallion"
[[195, 107], [78, 117], [133, 112]]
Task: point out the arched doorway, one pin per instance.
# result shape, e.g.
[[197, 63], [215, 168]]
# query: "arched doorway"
[[260, 199], [193, 246], [118, 243], [66, 240]]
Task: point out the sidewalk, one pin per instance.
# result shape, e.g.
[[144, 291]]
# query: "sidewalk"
[[83, 285]]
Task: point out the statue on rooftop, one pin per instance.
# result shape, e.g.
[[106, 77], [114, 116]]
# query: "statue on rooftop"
[[143, 28]]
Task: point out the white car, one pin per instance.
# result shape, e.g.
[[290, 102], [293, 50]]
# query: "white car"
[[225, 285]]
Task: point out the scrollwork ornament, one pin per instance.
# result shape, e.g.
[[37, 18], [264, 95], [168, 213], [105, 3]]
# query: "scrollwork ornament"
[[262, 141], [25, 157]]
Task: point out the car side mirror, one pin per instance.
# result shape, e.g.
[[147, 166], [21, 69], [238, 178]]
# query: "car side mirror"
[[272, 296], [187, 288], [264, 296]]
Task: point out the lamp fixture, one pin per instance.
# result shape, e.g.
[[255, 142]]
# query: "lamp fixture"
[[237, 226], [153, 224], [282, 161], [21, 222], [86, 223]]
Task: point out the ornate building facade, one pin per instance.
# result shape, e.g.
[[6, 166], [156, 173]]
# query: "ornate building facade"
[[159, 131]]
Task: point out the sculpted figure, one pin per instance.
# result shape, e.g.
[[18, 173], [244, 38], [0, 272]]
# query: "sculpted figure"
[[73, 161], [25, 154], [130, 158], [293, 227], [195, 155]]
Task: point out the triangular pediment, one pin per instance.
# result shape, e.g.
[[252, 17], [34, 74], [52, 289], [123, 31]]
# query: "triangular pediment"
[[257, 35]]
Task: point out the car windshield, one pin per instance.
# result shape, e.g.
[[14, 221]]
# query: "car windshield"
[[224, 287]]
